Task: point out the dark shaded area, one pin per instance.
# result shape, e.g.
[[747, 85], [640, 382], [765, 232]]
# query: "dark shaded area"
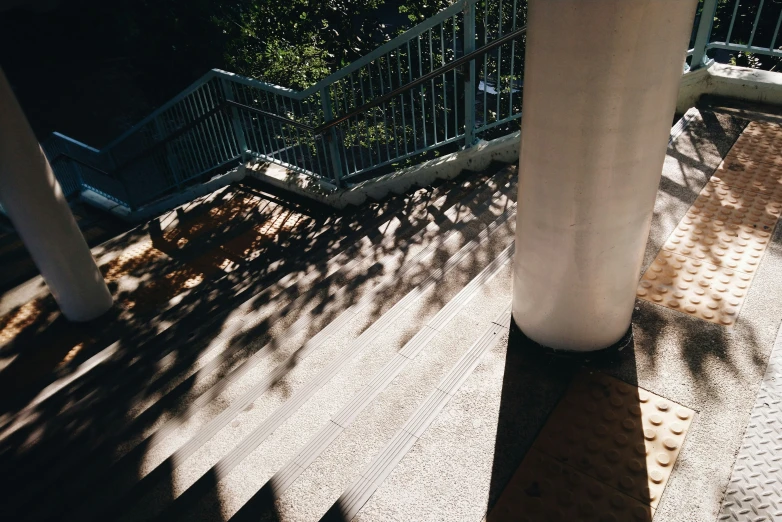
[[74, 433], [92, 69]]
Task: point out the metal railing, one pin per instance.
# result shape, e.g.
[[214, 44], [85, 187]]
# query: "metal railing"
[[416, 94], [748, 26], [447, 82]]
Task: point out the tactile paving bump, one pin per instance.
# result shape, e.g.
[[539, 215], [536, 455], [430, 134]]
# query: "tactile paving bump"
[[543, 490], [760, 140], [695, 287], [707, 264], [726, 227], [623, 436]]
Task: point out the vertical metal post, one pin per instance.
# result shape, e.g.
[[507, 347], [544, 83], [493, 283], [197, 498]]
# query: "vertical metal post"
[[169, 157], [236, 123], [469, 80], [333, 141], [699, 57]]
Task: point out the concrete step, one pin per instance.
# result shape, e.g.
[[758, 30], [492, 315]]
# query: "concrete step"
[[312, 382], [378, 416], [210, 372], [342, 262]]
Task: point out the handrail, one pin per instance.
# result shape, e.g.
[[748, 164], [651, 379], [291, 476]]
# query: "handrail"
[[425, 78], [269, 115], [61, 155], [179, 132]]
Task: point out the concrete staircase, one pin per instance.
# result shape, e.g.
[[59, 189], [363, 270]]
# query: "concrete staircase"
[[306, 400]]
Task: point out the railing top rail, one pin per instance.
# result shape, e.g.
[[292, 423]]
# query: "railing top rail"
[[170, 103], [75, 142], [497, 42], [417, 30], [392, 44]]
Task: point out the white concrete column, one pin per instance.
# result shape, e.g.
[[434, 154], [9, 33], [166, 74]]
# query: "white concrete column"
[[34, 202], [600, 85]]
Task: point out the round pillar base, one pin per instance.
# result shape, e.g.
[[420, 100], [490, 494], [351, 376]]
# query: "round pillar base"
[[519, 341]]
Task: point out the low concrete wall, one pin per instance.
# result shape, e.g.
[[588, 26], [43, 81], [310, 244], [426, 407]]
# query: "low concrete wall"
[[476, 158], [729, 81]]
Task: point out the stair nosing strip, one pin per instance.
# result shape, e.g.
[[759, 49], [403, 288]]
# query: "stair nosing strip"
[[478, 194], [229, 461], [389, 457]]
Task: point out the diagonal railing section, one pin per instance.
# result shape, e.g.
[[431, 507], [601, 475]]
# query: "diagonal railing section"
[[223, 118]]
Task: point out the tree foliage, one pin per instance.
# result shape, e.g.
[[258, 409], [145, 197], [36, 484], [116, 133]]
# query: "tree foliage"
[[298, 42]]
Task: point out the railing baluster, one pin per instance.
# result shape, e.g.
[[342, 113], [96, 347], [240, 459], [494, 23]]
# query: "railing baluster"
[[349, 132], [333, 144], [703, 35], [194, 132], [755, 25], [374, 113], [434, 93], [732, 21], [401, 96], [485, 79], [445, 85], [277, 149], [169, 159], [216, 121], [236, 123], [185, 140], [423, 95], [251, 130], [358, 125], [512, 59], [469, 82], [498, 88], [384, 107], [210, 134], [412, 99], [393, 105], [776, 32], [455, 82]]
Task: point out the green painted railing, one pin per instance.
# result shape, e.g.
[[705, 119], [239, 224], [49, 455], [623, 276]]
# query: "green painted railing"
[[748, 26], [364, 120]]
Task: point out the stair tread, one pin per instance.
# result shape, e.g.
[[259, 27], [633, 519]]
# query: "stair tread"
[[194, 445], [416, 378]]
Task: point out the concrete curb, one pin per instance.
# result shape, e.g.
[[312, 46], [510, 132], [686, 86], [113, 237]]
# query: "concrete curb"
[[476, 158]]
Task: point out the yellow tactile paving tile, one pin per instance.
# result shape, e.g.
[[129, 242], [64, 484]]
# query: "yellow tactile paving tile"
[[707, 264], [759, 139], [13, 323], [544, 490], [726, 227], [135, 257], [605, 453], [695, 287], [626, 437], [756, 176]]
